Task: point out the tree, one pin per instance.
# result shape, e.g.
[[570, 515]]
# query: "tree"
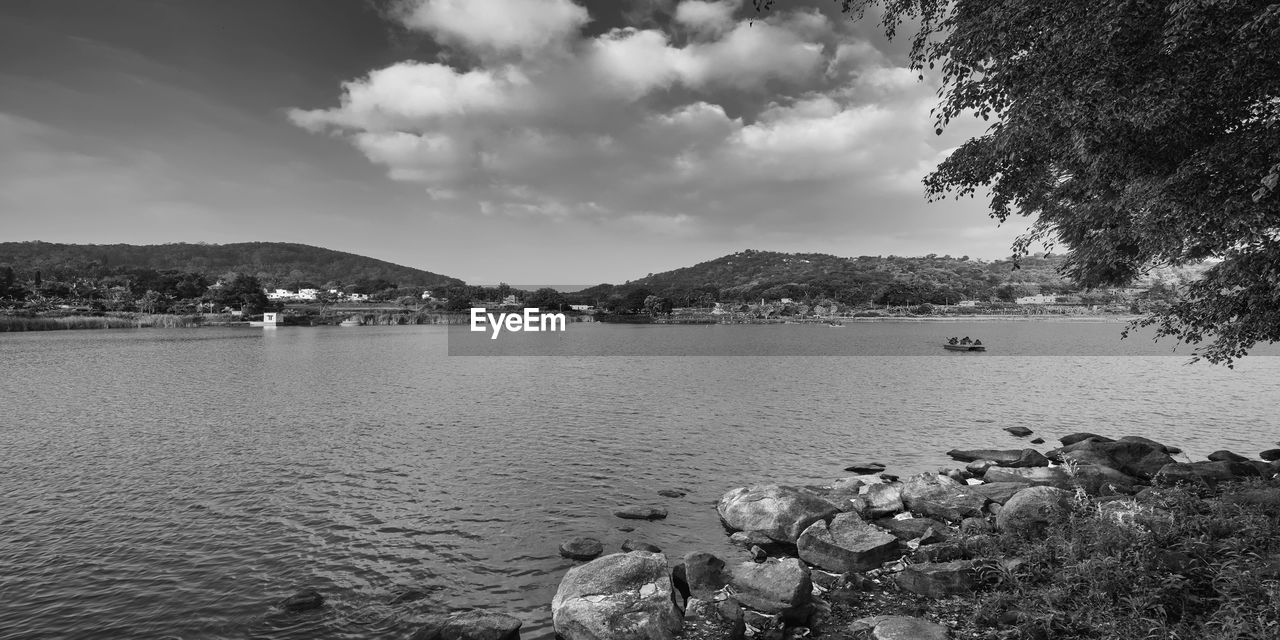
[[654, 305], [546, 299], [1137, 134], [242, 291]]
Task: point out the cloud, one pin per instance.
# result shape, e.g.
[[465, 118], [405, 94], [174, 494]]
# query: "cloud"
[[485, 27], [781, 124], [706, 17]]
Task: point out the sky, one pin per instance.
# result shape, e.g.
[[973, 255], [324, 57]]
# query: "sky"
[[551, 141]]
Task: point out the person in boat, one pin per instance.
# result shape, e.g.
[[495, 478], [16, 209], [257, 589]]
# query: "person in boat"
[[965, 340], [977, 343], [953, 340]]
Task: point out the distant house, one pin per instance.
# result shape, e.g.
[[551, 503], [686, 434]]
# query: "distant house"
[[786, 301], [967, 303], [510, 301], [280, 294], [307, 294], [426, 295], [580, 307], [1042, 298]]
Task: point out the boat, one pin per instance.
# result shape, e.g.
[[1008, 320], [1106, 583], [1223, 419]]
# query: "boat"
[[353, 321], [965, 347]]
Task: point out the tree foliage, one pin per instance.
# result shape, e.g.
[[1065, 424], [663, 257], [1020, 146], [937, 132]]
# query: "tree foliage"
[[1137, 133]]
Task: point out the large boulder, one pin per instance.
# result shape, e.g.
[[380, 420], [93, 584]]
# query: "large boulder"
[[1035, 476], [704, 574], [939, 579], [621, 596], [914, 528], [941, 497], [1002, 457], [1159, 445], [899, 628], [847, 544], [1137, 459], [1021, 432], [1104, 481], [778, 511], [1032, 510], [1223, 455], [878, 500], [1270, 455], [470, 625], [998, 492], [1210, 473], [1082, 436], [778, 585]]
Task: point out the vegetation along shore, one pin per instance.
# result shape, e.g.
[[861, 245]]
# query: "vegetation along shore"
[[1098, 538]]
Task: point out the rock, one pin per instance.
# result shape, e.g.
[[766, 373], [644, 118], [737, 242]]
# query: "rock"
[[621, 596], [637, 545], [1137, 459], [847, 544], [1159, 445], [1222, 455], [1210, 473], [865, 467], [750, 539], [1020, 432], [1270, 455], [1036, 476], [1080, 437], [407, 595], [581, 548], [1098, 480], [777, 511], [471, 625], [636, 512], [758, 554], [672, 493], [705, 574], [899, 628], [1030, 511], [906, 529], [1002, 457], [941, 552], [998, 492], [939, 579], [979, 467], [778, 585], [1037, 441], [882, 500], [726, 621], [302, 600], [941, 497]]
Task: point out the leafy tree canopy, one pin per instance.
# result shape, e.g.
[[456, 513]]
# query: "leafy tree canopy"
[[1137, 133]]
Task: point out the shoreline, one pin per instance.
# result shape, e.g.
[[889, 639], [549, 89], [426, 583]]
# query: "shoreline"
[[1011, 544]]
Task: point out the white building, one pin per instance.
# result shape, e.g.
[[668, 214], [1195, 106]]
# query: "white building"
[[1042, 298]]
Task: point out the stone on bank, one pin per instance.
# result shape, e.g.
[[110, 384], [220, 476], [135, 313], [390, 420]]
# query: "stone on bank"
[[621, 596]]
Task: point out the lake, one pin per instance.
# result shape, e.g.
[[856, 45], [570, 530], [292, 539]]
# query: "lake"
[[174, 483]]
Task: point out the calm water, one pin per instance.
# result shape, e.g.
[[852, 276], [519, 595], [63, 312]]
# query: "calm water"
[[174, 483]]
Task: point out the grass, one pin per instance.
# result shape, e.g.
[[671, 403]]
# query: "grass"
[[1185, 566], [119, 321]]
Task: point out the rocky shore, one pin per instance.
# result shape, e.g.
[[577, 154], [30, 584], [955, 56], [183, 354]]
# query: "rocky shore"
[[876, 556], [1097, 538]]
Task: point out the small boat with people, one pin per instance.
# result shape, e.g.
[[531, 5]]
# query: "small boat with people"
[[964, 344]]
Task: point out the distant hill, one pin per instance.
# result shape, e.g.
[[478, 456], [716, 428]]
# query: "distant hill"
[[752, 275], [274, 263]]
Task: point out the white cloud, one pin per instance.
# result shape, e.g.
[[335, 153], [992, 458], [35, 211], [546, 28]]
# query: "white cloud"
[[753, 128], [706, 17], [497, 26]]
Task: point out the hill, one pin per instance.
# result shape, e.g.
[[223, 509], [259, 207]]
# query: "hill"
[[753, 275], [275, 264]]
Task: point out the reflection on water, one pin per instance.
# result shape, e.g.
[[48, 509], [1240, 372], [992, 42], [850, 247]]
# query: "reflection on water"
[[173, 483]]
